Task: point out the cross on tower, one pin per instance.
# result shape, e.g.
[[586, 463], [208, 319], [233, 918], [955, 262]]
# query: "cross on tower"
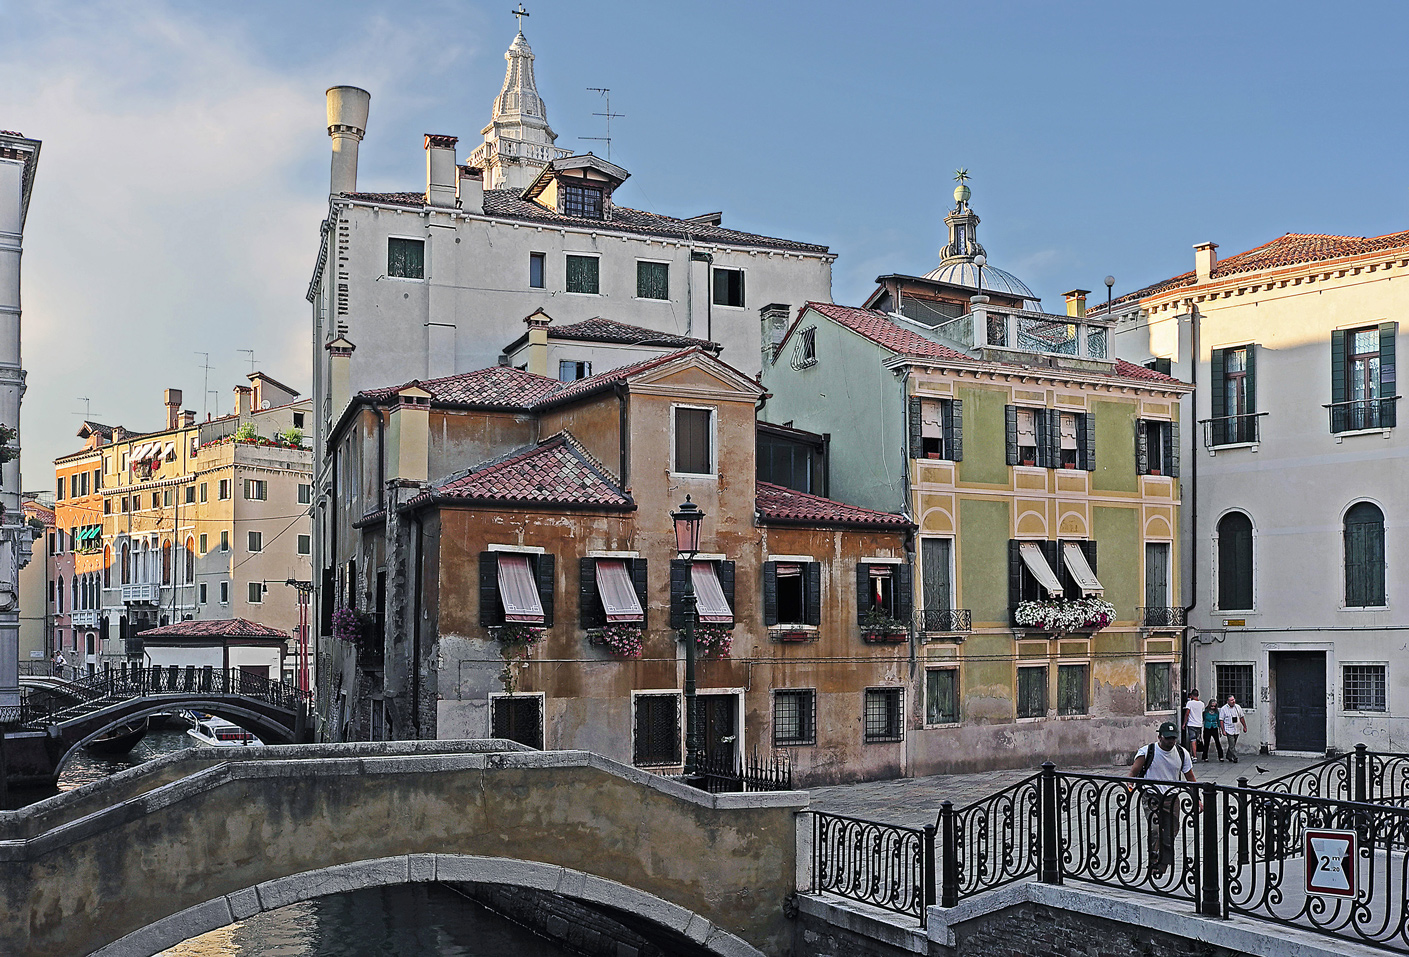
[[520, 13]]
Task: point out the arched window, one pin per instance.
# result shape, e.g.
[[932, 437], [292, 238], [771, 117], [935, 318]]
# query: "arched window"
[[1235, 562], [60, 595], [107, 567], [166, 562], [190, 560], [73, 593], [127, 563], [1364, 556]]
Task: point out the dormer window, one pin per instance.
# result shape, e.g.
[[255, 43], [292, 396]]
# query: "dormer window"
[[582, 201]]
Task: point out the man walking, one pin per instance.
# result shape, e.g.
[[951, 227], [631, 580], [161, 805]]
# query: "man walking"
[[1194, 724], [1165, 760], [1233, 719]]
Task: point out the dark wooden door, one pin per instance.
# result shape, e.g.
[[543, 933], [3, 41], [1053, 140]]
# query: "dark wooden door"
[[1301, 701], [719, 729]]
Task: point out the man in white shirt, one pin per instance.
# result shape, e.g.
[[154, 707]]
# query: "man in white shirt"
[[1233, 720], [1165, 760], [1194, 723]]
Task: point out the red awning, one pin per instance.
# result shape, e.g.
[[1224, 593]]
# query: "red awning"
[[617, 592], [712, 607], [518, 590]]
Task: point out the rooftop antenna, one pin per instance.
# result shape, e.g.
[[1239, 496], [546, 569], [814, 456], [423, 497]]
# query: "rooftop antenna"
[[607, 95], [520, 13], [208, 394], [251, 352], [205, 389], [87, 407]]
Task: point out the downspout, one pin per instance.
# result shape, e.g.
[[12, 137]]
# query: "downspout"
[[381, 458], [416, 633], [909, 539], [623, 438], [1187, 665]]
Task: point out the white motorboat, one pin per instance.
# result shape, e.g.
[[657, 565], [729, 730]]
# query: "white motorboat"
[[213, 732]]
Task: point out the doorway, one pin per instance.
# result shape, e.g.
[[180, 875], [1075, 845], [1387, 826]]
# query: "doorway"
[[1301, 700], [719, 729]]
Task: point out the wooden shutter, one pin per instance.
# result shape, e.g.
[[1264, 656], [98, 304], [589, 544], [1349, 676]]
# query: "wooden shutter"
[[1338, 389], [904, 592], [1218, 407], [1250, 384], [589, 602], [1142, 447], [1054, 439], [726, 583], [814, 592], [1088, 548], [1015, 573], [916, 436], [770, 587], [1171, 449], [679, 574], [639, 581], [954, 429], [1086, 440], [1010, 429], [544, 570], [1388, 331], [489, 589], [863, 591]]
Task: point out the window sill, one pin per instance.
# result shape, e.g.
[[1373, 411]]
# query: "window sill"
[[1383, 432], [1031, 720], [593, 295], [402, 279], [1215, 449], [884, 741], [944, 724], [721, 305], [649, 299], [695, 475], [1362, 608], [1363, 714]]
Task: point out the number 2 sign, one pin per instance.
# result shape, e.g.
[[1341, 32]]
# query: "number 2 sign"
[[1330, 863]]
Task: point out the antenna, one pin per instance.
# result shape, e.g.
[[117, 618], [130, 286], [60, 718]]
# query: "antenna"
[[87, 407], [205, 389], [607, 95], [251, 352], [208, 394]]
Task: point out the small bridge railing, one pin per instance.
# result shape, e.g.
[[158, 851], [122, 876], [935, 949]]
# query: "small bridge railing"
[[113, 685], [884, 865]]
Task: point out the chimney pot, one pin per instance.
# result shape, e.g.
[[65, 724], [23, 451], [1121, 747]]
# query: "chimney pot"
[[173, 407], [441, 171], [347, 124], [471, 191], [1076, 302], [1205, 258], [774, 318]]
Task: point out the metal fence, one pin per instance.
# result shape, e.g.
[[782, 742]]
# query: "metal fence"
[[724, 775], [884, 865]]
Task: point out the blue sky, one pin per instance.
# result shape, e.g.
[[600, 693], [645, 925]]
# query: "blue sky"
[[185, 162]]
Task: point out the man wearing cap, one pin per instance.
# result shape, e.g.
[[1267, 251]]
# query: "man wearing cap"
[[1165, 760]]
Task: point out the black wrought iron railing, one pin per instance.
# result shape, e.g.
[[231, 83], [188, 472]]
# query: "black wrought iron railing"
[[945, 621], [1157, 616], [723, 774], [1359, 414], [1232, 429], [989, 843], [884, 865]]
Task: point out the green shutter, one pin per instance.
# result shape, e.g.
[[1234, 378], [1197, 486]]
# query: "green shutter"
[[954, 424], [589, 603], [904, 594], [1338, 389], [814, 592], [916, 438], [1218, 408], [652, 280], [1388, 390], [543, 568], [1171, 456], [1086, 440], [770, 593], [582, 274], [1142, 447]]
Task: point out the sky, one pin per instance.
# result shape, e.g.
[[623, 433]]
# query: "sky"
[[185, 160]]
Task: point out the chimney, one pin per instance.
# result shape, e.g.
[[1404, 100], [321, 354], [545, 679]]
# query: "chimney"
[[1076, 302], [188, 419], [774, 319], [347, 124], [1204, 260], [173, 408], [119, 434], [471, 189], [243, 394], [538, 341], [339, 375], [441, 172]]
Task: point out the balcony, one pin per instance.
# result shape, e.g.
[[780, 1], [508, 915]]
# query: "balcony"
[[1154, 616], [1359, 415], [936, 622], [87, 618], [1003, 330], [149, 592], [1232, 430]]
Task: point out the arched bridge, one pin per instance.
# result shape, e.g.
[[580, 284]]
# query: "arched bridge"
[[46, 729], [194, 841]]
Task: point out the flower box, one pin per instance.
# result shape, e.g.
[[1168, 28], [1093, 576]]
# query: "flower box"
[[1059, 616], [621, 640], [713, 640], [884, 637], [791, 636]]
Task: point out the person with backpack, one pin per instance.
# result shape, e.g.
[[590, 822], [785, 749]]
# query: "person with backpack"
[[1165, 760]]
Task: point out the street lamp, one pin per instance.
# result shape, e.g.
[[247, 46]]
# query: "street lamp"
[[687, 544], [1110, 282]]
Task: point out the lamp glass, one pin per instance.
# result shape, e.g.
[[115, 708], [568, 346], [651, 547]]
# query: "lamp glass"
[[687, 527]]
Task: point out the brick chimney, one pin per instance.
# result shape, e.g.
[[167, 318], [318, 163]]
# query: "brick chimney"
[[1076, 302], [173, 408], [243, 398], [441, 173], [188, 419], [1205, 258]]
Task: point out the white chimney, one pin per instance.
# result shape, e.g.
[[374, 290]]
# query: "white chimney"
[[1205, 258], [347, 123], [471, 189], [440, 170]]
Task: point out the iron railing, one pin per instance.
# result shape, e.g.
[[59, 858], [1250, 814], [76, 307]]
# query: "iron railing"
[[1358, 414], [1156, 616], [944, 621], [1232, 429], [884, 865], [722, 774]]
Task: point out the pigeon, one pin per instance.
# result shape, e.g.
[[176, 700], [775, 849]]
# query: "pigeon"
[[1260, 769]]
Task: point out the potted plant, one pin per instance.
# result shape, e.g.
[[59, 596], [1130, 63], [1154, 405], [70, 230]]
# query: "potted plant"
[[878, 626], [621, 640], [788, 633], [1060, 616], [714, 640]]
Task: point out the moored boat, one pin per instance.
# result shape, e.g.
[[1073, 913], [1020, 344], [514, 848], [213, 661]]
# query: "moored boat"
[[118, 740], [213, 732]]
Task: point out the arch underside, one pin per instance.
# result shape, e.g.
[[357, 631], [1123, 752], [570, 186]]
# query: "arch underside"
[[642, 907]]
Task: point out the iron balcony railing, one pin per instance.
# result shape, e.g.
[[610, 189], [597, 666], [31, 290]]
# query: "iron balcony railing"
[[1157, 616], [1241, 429], [1357, 414], [884, 865], [944, 621]]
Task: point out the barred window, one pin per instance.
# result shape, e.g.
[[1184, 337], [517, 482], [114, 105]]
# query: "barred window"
[[942, 696], [1363, 688], [1032, 692], [794, 717], [584, 201], [1159, 686], [1234, 680], [518, 718], [652, 280], [1072, 683], [657, 733], [406, 258], [582, 274], [883, 715]]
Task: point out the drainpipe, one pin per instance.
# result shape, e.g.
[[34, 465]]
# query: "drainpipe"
[[1186, 668], [416, 632], [622, 436], [381, 457]]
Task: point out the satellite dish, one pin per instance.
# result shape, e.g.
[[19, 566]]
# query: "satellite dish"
[[264, 404]]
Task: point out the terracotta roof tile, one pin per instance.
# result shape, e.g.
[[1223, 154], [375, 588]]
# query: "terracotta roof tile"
[[44, 513], [557, 472], [609, 330], [502, 387], [223, 628], [1130, 370], [775, 503], [884, 331]]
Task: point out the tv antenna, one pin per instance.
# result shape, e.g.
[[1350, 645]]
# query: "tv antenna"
[[205, 387], [87, 407], [606, 95], [251, 352]]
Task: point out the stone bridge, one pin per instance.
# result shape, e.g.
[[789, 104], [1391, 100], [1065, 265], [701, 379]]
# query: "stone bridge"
[[196, 840]]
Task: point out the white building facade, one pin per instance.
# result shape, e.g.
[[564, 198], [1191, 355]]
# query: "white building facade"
[[1299, 602]]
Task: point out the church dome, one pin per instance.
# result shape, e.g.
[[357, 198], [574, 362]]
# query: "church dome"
[[956, 259], [963, 272]]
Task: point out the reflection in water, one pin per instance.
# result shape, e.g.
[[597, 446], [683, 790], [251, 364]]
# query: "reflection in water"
[[413, 920], [85, 768]]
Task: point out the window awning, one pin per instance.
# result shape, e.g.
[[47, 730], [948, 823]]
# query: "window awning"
[[1036, 563], [930, 425], [711, 605], [518, 590], [168, 450], [1075, 560], [618, 594], [1068, 430]]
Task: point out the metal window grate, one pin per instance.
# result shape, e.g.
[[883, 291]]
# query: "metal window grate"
[[1159, 686], [794, 717], [657, 740], [1234, 680], [883, 715], [519, 718], [1363, 688]]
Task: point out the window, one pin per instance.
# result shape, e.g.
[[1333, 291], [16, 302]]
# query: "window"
[[1032, 692], [611, 591], [1067, 451], [305, 544], [1364, 556], [936, 428], [515, 587], [1050, 438], [570, 371], [305, 493], [59, 492], [1157, 609], [1162, 366], [1028, 442], [60, 607], [652, 280], [156, 500], [107, 506], [883, 711], [167, 497], [203, 541], [942, 696], [694, 441], [536, 264], [583, 201], [792, 593], [517, 718], [225, 541], [256, 593], [1363, 387], [190, 561], [656, 736], [1234, 680], [1233, 398], [82, 479], [1363, 688], [794, 717], [729, 287], [1157, 447], [256, 490], [936, 577], [224, 593], [256, 541], [1030, 571], [714, 591], [204, 497], [1072, 684], [883, 591], [223, 492], [1159, 686], [202, 595], [405, 258], [1235, 562], [298, 420], [97, 480], [806, 354], [582, 274], [124, 503], [190, 495]]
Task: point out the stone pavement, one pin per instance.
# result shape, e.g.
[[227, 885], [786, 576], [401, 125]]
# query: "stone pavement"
[[914, 802]]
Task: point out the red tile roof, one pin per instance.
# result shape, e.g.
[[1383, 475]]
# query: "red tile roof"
[[1289, 250], [884, 331], [555, 472], [44, 513], [777, 504], [1130, 370], [608, 330], [224, 628]]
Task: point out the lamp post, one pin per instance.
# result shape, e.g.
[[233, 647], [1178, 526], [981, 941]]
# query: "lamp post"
[[1110, 282], [687, 544]]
